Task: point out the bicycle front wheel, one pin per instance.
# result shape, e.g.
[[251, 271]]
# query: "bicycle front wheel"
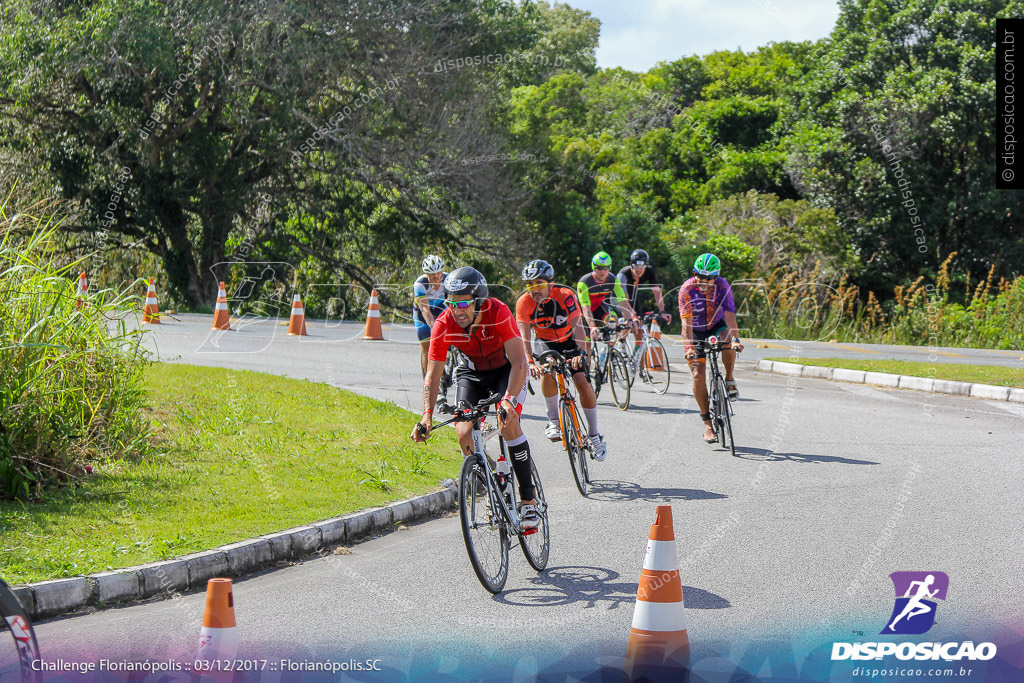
[[483, 527], [618, 378], [574, 448], [656, 357], [536, 543], [722, 416]]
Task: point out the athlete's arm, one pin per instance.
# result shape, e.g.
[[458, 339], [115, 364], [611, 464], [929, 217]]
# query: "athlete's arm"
[[516, 354], [584, 296], [424, 305], [658, 298], [620, 294], [526, 330], [431, 382]]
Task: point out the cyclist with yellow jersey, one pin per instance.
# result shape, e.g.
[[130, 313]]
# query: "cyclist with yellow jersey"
[[601, 293]]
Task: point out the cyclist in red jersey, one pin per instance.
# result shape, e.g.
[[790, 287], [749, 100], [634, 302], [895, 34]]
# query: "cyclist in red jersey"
[[484, 330], [553, 312]]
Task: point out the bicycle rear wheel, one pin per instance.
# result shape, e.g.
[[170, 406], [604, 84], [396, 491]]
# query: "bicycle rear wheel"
[[574, 448], [483, 528], [18, 649], [536, 544], [659, 379], [618, 378]]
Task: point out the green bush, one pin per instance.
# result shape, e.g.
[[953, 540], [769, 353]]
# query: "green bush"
[[70, 376]]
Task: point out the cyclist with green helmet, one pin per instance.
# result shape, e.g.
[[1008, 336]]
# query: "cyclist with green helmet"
[[706, 309], [600, 293]]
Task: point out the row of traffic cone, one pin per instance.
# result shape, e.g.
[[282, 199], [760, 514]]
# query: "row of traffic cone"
[[658, 647], [296, 321]]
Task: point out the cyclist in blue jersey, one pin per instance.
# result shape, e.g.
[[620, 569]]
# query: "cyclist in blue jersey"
[[428, 297]]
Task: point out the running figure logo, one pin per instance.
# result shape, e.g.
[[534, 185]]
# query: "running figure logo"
[[914, 612]]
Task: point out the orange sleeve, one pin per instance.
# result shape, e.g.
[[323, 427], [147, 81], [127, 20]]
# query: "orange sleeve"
[[524, 307]]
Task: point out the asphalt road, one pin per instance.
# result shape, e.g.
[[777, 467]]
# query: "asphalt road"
[[770, 542]]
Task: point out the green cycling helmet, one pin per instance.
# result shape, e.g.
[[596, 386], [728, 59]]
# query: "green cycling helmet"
[[707, 265], [601, 259]]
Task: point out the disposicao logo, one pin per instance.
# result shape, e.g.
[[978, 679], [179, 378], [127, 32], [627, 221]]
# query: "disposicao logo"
[[914, 614]]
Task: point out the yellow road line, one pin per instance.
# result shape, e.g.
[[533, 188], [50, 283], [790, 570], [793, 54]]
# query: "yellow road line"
[[950, 354]]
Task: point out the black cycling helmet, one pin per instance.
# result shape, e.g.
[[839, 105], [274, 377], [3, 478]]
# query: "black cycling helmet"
[[467, 280], [639, 257], [538, 269]]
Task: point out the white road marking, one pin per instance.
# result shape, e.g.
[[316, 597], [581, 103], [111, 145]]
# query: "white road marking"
[[1015, 408], [869, 392]]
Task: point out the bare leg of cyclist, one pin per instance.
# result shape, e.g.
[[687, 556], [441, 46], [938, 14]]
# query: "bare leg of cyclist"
[[729, 361], [464, 431], [700, 392], [588, 401], [424, 347]]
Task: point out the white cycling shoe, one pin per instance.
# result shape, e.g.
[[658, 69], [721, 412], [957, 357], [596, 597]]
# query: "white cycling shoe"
[[600, 448], [553, 432]]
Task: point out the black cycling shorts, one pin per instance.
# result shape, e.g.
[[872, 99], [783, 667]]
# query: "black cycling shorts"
[[474, 386], [567, 348], [718, 330]]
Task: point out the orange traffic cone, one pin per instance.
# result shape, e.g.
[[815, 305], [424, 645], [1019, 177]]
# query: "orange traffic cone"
[[218, 639], [372, 329], [297, 323], [151, 311], [221, 318], [83, 290], [658, 645], [656, 356]]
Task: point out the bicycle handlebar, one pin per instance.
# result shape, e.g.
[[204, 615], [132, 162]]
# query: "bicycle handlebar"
[[468, 413]]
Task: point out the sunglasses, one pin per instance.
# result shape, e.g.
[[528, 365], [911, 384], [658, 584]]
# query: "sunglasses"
[[706, 280], [458, 304], [602, 268], [534, 286]]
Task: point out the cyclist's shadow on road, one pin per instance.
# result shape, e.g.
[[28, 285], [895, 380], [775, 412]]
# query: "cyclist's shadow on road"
[[591, 587], [620, 491], [764, 454]]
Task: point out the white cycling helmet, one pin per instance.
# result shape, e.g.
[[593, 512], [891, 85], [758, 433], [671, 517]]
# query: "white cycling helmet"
[[433, 264]]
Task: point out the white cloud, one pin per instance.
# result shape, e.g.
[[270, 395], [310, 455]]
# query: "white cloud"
[[645, 32]]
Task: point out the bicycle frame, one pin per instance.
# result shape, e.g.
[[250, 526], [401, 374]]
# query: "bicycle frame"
[[494, 494], [563, 379]]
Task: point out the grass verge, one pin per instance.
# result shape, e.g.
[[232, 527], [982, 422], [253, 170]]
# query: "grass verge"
[[979, 374], [237, 454]]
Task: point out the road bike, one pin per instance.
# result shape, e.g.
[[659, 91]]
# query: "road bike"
[[719, 406], [575, 435], [18, 652], [648, 361], [487, 509], [609, 364]]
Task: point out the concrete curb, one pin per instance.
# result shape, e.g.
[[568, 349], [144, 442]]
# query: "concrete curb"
[[935, 386], [166, 579]]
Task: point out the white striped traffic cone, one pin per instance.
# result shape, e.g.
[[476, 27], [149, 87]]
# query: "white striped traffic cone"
[[659, 647], [151, 311], [218, 638], [83, 290], [221, 317], [655, 357], [297, 321], [373, 329]]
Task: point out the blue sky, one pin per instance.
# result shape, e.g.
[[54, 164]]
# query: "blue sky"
[[637, 34]]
